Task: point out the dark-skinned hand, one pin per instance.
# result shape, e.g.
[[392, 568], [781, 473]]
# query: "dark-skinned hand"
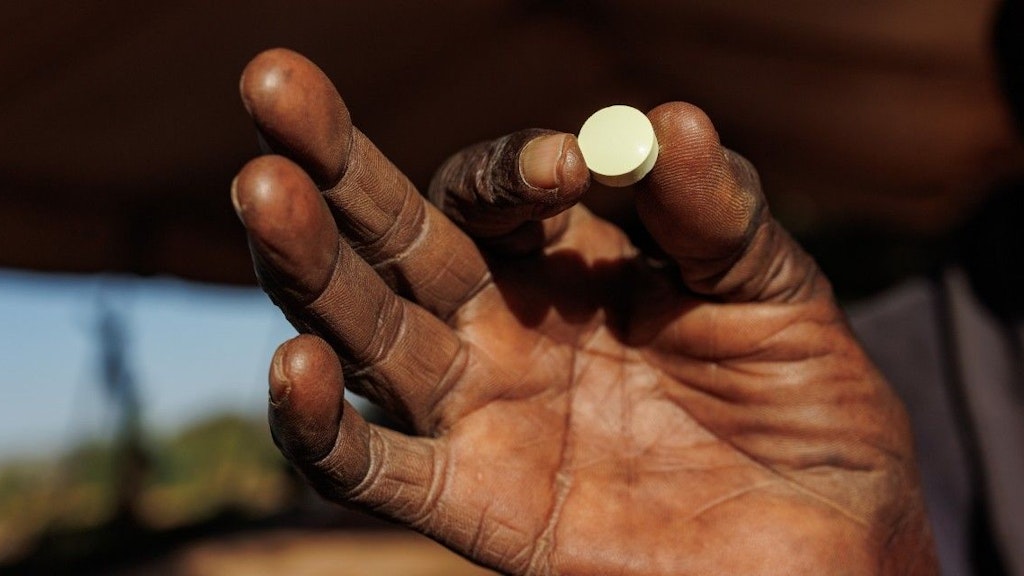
[[577, 407]]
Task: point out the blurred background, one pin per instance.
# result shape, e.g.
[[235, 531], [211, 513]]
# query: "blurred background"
[[134, 341]]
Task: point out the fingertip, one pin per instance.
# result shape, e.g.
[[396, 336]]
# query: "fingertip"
[[682, 117], [263, 77], [289, 225], [554, 164], [249, 189], [687, 139], [271, 193], [306, 393], [298, 112]]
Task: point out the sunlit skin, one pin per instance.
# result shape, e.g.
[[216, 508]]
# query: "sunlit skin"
[[575, 406]]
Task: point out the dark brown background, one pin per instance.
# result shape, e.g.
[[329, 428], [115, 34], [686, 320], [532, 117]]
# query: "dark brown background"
[[121, 125]]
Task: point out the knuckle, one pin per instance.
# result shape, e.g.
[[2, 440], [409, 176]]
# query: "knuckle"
[[400, 233], [384, 337]]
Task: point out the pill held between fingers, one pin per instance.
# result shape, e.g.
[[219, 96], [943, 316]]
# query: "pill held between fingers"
[[618, 145]]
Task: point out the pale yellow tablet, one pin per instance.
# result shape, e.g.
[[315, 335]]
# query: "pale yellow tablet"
[[618, 145]]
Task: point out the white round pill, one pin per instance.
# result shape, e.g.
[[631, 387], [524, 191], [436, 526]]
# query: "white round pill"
[[618, 145]]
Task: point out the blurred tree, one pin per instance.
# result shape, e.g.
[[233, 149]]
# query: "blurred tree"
[[131, 460]]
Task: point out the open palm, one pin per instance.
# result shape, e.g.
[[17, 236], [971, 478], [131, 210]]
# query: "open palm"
[[578, 407]]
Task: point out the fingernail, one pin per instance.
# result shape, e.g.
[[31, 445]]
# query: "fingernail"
[[234, 198], [280, 386], [539, 160]]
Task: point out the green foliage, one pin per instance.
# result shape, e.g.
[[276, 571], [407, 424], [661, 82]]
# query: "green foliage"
[[223, 461], [226, 461], [202, 452]]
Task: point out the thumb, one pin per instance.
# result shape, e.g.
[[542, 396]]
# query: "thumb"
[[512, 193], [704, 207]]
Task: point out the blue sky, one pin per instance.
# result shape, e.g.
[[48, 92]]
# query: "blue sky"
[[195, 349]]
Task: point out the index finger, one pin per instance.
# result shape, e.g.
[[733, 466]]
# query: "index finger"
[[704, 207]]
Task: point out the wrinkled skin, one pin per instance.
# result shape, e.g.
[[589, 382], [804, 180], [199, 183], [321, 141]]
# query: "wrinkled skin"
[[577, 407]]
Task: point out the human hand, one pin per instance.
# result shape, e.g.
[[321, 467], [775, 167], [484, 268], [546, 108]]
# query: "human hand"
[[576, 406]]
